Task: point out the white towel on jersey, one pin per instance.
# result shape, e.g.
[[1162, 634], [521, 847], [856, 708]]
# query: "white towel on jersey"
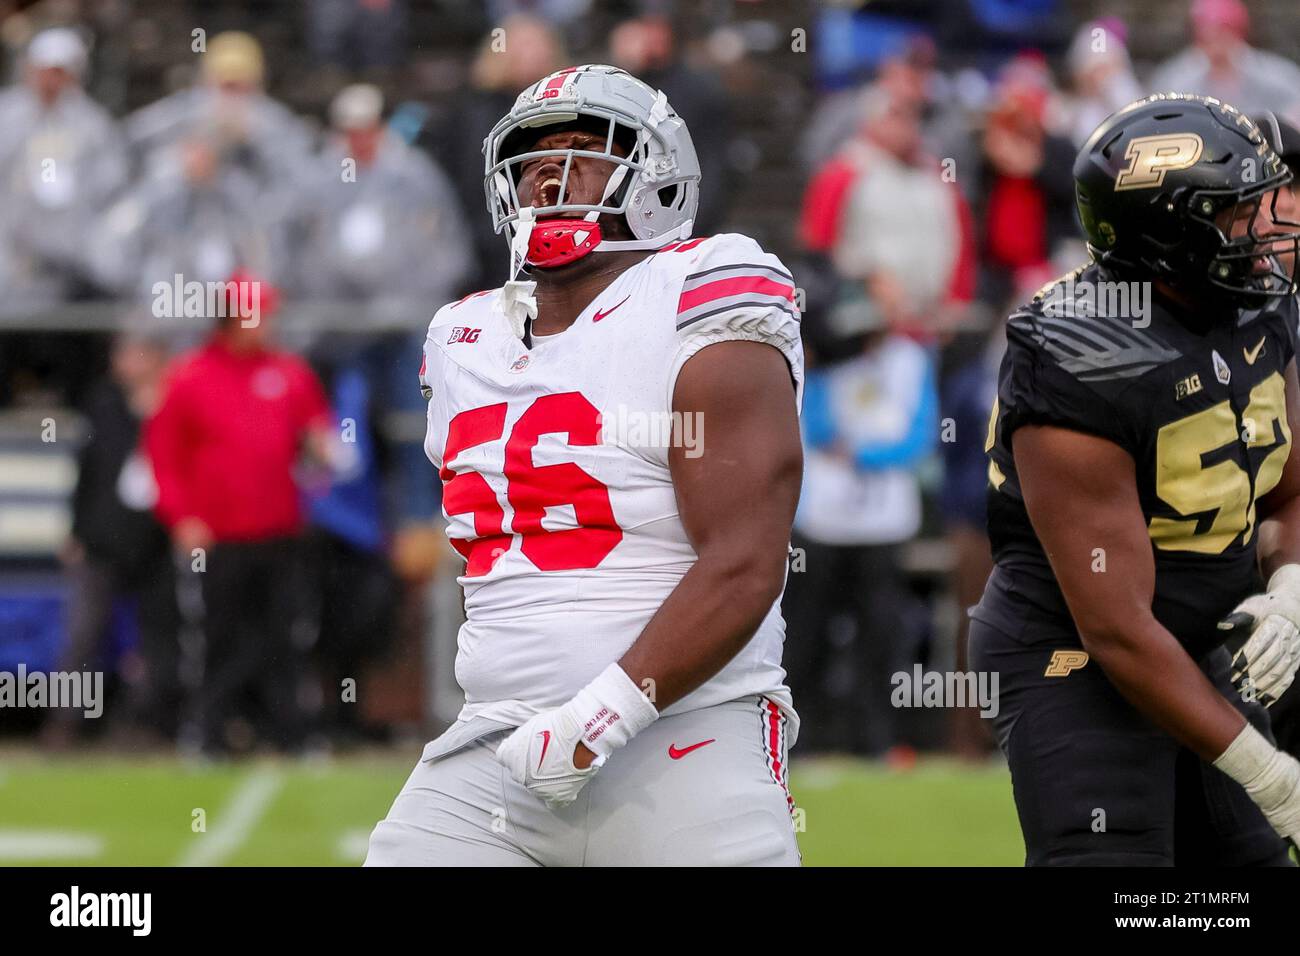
[[554, 463]]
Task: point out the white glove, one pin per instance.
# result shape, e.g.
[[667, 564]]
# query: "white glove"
[[1271, 778], [1268, 660], [604, 715]]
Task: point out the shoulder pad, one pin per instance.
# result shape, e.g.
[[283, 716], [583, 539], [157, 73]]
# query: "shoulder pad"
[[471, 305], [1092, 350], [730, 272]]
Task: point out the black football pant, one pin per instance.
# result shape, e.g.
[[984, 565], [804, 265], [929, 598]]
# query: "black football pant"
[[252, 670], [1095, 782], [94, 584]]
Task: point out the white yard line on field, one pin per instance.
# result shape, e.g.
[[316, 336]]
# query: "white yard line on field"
[[29, 845], [235, 821]]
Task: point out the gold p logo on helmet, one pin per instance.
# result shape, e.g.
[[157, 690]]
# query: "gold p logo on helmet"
[[1150, 157], [1063, 662]]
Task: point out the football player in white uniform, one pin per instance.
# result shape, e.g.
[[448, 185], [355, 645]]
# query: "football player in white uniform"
[[617, 433]]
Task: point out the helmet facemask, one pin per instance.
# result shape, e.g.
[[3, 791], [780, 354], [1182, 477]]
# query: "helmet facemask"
[[1230, 266], [506, 173]]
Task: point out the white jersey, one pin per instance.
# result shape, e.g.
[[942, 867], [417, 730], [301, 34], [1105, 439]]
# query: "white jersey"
[[554, 462]]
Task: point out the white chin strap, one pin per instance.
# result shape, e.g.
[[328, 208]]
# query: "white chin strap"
[[518, 302]]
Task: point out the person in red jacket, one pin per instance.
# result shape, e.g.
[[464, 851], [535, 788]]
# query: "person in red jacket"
[[236, 417]]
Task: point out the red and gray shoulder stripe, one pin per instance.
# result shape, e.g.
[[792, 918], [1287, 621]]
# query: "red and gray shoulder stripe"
[[774, 745], [740, 285]]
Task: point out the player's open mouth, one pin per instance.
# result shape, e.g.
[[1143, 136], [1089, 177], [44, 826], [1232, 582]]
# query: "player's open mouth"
[[548, 192]]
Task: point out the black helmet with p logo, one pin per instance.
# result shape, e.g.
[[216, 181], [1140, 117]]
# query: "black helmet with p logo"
[[1160, 185]]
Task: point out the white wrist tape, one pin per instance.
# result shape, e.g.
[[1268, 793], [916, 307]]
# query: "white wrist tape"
[[613, 710], [1269, 777], [1286, 578]]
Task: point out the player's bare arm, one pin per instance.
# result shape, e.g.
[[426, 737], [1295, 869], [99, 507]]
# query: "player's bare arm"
[[1081, 496], [737, 501]]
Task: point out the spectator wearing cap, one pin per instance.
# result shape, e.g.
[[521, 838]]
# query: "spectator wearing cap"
[[1101, 76], [221, 166], [382, 219], [228, 106], [62, 160], [383, 228], [1222, 64], [221, 180], [236, 418]]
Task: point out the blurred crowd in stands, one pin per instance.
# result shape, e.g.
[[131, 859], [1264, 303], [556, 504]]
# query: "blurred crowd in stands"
[[924, 191]]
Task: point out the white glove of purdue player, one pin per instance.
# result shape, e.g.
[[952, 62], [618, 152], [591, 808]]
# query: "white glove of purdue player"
[[1270, 777], [604, 716], [1267, 663]]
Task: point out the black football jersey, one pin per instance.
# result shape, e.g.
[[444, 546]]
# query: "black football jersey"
[[1201, 410]]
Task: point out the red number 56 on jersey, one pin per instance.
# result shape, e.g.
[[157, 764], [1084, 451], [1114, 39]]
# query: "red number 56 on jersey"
[[530, 489]]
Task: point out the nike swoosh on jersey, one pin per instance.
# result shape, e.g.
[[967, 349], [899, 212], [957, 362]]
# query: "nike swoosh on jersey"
[[1254, 353], [679, 754], [600, 315], [546, 742]]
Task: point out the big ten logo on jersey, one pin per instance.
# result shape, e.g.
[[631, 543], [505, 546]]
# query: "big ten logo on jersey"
[[462, 334]]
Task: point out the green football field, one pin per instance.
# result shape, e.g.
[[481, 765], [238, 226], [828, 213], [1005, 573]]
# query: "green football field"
[[120, 811]]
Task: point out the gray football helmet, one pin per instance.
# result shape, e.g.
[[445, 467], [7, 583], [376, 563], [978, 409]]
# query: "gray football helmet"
[[656, 187]]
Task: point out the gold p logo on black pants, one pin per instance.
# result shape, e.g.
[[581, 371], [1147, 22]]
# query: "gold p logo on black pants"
[[1063, 662]]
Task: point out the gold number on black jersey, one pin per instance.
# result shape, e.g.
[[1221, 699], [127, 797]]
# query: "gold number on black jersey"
[[1191, 487]]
